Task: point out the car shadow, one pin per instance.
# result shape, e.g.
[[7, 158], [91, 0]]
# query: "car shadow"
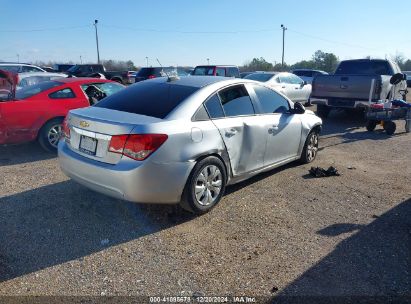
[[371, 266], [350, 127], [23, 153], [58, 223]]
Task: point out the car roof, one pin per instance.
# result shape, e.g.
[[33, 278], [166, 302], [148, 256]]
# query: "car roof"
[[82, 80], [17, 64], [216, 65], [194, 81]]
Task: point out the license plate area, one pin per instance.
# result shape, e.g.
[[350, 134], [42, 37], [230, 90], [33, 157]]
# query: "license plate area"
[[88, 145]]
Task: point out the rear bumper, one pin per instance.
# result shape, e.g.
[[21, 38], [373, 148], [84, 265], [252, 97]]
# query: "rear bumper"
[[340, 104], [143, 182]]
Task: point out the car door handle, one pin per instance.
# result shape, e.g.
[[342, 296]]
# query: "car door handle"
[[272, 129], [283, 87], [231, 132]]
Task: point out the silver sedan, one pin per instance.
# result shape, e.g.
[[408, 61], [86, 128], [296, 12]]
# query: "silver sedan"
[[289, 84], [171, 140]]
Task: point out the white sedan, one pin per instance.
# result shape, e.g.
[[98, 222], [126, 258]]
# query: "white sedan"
[[288, 84], [31, 78]]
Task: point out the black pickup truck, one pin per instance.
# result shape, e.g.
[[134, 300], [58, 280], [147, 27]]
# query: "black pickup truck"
[[353, 83], [92, 70]]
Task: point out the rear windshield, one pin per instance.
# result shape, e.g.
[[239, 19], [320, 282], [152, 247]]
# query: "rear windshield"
[[368, 67], [303, 73], [263, 77], [203, 71], [148, 98], [32, 90]]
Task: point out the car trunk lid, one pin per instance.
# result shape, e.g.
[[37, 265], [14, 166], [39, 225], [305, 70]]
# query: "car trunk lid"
[[91, 130]]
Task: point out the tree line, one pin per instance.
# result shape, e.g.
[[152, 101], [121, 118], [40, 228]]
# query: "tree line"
[[319, 61]]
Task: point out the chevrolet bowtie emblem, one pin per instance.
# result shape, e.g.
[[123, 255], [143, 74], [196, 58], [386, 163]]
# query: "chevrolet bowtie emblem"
[[84, 124]]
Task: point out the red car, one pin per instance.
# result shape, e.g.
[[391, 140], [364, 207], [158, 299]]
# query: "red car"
[[37, 112]]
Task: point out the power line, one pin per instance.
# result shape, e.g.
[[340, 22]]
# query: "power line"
[[331, 41], [45, 29], [186, 32]]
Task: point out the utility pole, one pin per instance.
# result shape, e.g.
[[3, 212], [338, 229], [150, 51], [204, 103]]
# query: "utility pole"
[[284, 29], [18, 58], [98, 52], [81, 60], [208, 61], [146, 61]]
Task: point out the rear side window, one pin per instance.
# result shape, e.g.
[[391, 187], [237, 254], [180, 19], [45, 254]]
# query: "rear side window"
[[236, 101], [203, 71], [220, 72], [233, 72], [148, 98], [62, 94], [214, 108], [270, 101]]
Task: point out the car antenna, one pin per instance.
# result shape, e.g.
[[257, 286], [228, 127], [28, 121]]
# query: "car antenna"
[[169, 77]]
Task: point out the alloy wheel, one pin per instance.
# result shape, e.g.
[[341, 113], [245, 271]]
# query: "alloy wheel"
[[208, 185], [54, 135], [312, 147]]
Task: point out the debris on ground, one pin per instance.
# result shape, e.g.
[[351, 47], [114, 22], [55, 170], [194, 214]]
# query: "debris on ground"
[[321, 172]]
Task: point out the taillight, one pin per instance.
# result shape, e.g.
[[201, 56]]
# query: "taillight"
[[151, 76], [66, 128], [136, 146]]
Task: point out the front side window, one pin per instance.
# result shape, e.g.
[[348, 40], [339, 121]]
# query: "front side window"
[[62, 94], [295, 79], [233, 72], [236, 101], [203, 71], [270, 101], [27, 68]]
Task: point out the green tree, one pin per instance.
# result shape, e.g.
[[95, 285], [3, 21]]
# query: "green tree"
[[258, 64]]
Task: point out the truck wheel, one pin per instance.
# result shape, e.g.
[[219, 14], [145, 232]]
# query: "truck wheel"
[[323, 111], [371, 125], [389, 127], [50, 134], [205, 186]]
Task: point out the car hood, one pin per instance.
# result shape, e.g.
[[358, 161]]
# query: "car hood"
[[8, 84]]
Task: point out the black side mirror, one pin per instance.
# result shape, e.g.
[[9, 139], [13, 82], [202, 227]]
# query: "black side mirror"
[[304, 83], [397, 78], [298, 108]]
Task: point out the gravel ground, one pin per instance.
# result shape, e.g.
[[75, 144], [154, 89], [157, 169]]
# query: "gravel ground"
[[280, 234]]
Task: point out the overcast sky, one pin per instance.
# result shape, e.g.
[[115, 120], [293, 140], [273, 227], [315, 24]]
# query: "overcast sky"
[[182, 32]]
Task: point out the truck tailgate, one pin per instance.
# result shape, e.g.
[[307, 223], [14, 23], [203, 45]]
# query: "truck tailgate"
[[349, 87]]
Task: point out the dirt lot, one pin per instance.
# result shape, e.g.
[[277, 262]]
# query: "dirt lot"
[[279, 234]]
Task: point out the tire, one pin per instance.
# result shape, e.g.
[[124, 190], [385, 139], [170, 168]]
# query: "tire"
[[200, 180], [371, 125], [50, 134], [323, 111], [310, 149], [390, 127]]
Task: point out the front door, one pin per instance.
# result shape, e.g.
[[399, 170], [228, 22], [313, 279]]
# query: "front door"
[[241, 130], [283, 129]]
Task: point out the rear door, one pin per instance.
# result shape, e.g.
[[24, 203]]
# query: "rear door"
[[241, 130], [283, 129]]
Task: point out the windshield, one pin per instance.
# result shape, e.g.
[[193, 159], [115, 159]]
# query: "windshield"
[[32, 90], [108, 88], [203, 71], [263, 77], [148, 98]]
